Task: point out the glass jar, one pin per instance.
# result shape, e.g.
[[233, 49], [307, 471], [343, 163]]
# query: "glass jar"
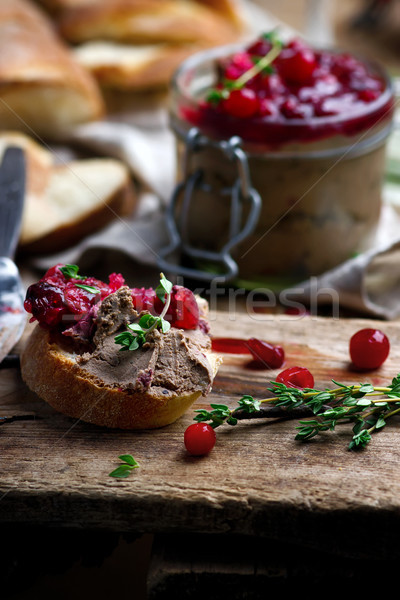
[[319, 178]]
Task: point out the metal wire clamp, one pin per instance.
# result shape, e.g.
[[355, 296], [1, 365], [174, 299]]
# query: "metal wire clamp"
[[241, 193]]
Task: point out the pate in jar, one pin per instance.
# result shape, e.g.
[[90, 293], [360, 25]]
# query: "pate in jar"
[[312, 125]]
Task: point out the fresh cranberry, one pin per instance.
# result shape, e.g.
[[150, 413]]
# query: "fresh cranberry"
[[199, 439], [260, 47], [183, 311], [241, 103], [369, 348], [236, 66], [271, 356], [233, 72], [297, 64], [241, 61], [298, 377], [45, 302]]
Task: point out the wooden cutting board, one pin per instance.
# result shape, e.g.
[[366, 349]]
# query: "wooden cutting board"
[[257, 480]]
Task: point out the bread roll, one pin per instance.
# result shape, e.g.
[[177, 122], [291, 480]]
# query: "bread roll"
[[147, 22], [42, 87], [53, 374], [146, 388]]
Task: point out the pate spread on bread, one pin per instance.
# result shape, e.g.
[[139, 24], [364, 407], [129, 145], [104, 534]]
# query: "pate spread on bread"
[[89, 357]]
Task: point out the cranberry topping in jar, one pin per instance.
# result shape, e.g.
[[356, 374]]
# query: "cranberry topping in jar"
[[303, 95]]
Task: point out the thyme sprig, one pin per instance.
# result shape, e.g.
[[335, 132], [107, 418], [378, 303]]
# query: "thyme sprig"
[[366, 406], [135, 336]]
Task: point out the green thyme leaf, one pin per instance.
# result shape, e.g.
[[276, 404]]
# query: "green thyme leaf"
[[147, 320], [127, 466], [215, 96], [380, 423], [272, 37], [88, 288], [136, 327], [248, 404], [128, 458], [71, 272], [360, 440], [164, 325], [164, 288], [121, 471]]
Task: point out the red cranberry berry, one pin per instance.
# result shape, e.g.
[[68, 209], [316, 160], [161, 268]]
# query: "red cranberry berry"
[[299, 377], [240, 63], [260, 47], [297, 64], [183, 311], [199, 439], [271, 356], [369, 348], [242, 103], [45, 302]]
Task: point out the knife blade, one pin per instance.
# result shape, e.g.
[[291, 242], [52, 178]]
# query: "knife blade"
[[12, 191]]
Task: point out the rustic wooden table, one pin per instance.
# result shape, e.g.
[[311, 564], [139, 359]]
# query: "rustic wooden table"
[[257, 482]]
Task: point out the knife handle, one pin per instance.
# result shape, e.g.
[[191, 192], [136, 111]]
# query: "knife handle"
[[12, 192]]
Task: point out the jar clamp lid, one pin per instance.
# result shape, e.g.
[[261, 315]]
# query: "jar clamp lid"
[[241, 193]]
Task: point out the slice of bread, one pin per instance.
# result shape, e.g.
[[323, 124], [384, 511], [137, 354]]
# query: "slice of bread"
[[57, 376], [131, 67], [43, 89], [65, 202]]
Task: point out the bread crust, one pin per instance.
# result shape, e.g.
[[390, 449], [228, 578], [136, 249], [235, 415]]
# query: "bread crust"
[[146, 21], [57, 379], [42, 87]]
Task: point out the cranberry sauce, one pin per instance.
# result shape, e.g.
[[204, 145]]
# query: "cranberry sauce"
[[62, 298], [268, 355], [302, 95]]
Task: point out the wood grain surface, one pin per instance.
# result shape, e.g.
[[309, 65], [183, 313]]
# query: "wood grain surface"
[[257, 480]]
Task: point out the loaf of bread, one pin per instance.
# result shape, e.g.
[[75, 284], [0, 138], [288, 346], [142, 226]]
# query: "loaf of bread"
[[43, 89], [65, 201], [144, 388], [138, 44], [146, 22]]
